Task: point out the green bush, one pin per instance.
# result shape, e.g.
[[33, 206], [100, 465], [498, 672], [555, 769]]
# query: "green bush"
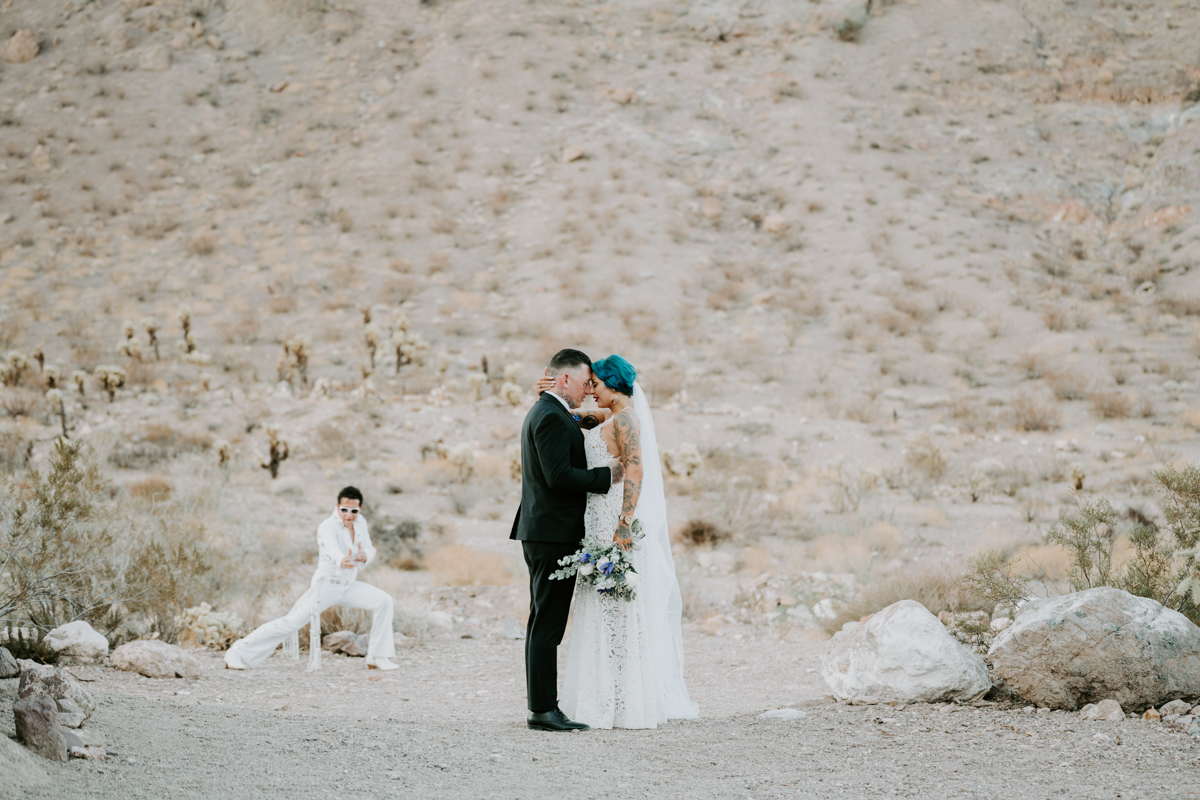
[[71, 548]]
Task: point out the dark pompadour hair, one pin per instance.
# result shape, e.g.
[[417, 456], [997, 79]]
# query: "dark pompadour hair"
[[350, 493], [566, 359]]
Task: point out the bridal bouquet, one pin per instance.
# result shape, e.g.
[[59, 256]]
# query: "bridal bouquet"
[[604, 567]]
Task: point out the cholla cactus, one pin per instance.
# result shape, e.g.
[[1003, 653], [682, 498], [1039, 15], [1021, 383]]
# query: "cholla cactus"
[[512, 394], [223, 452], [1077, 475], [278, 453], [131, 348], [111, 378], [55, 398], [365, 310], [478, 383], [40, 358], [407, 346], [80, 378], [371, 338], [127, 329], [203, 627], [462, 456], [684, 461], [188, 344], [512, 455], [52, 376], [512, 372], [296, 353], [15, 368], [150, 326]]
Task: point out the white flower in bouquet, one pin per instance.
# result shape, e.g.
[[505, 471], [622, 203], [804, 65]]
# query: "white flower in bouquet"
[[631, 579], [586, 569]]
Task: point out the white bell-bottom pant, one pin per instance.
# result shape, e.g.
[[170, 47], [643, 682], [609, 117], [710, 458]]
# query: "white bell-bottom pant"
[[258, 646]]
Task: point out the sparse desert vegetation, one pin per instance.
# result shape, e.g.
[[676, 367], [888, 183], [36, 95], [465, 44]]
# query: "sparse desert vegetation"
[[909, 291]]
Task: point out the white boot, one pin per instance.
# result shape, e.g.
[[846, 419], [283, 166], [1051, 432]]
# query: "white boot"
[[381, 663], [233, 660]]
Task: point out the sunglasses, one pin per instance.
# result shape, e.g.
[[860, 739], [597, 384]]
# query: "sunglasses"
[[350, 510]]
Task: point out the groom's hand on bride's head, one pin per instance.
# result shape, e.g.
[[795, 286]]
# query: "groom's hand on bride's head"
[[617, 469]]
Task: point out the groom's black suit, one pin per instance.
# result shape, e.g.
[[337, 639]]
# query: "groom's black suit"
[[555, 481]]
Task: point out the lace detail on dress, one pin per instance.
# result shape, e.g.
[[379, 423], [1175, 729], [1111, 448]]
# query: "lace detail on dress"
[[610, 679]]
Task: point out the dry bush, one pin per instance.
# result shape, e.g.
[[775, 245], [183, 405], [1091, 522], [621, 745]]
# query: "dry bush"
[[1181, 306], [16, 448], [153, 489], [700, 532], [1056, 317], [1032, 365], [1111, 405], [863, 409], [970, 414], [1068, 384], [74, 550], [925, 460], [931, 588], [157, 442], [1032, 412], [458, 565]]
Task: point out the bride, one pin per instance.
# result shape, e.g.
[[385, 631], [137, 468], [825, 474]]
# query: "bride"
[[625, 658]]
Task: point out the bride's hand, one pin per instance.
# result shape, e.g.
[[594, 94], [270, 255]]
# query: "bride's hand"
[[624, 538], [543, 383]]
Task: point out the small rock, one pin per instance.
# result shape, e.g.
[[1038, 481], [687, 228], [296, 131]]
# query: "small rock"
[[496, 757], [21, 48], [155, 58], [572, 154], [1110, 711], [1152, 715], [775, 223], [712, 208], [41, 161], [40, 680], [1176, 707], [94, 753], [783, 714], [215, 42], [1100, 737], [8, 665], [512, 629], [346, 642], [78, 643], [1107, 431], [84, 737], [156, 659], [71, 719], [38, 727]]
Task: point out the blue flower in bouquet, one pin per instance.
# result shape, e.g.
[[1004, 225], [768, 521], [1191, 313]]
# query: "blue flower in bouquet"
[[606, 566]]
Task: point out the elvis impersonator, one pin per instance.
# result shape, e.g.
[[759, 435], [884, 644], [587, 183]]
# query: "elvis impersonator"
[[345, 547]]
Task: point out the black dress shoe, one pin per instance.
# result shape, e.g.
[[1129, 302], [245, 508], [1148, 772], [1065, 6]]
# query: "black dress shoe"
[[553, 721]]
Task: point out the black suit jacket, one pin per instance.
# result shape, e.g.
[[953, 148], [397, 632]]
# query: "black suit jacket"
[[555, 480]]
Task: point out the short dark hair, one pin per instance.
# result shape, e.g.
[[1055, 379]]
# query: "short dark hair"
[[350, 493], [566, 359]]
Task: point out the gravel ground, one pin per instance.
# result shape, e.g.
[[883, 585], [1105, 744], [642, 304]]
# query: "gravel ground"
[[449, 724]]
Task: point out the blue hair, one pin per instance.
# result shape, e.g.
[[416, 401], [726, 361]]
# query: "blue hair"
[[617, 373]]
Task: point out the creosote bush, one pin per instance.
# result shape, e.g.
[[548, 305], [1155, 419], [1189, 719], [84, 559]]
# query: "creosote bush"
[[72, 549]]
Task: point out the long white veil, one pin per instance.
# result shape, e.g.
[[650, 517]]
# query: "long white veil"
[[659, 587]]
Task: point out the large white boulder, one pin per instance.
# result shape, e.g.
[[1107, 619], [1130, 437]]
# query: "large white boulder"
[[903, 655], [156, 659], [78, 643], [1096, 645]]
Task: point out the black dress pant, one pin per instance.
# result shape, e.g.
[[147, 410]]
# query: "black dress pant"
[[549, 606]]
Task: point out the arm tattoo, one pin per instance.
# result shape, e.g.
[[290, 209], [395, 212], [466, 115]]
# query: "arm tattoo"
[[589, 420], [629, 443]]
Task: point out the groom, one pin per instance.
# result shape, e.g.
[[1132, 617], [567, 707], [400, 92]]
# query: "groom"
[[555, 482]]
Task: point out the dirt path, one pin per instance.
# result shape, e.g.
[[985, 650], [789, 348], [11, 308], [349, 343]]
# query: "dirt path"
[[449, 724]]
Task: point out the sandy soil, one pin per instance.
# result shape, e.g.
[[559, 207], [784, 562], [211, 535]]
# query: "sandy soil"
[[449, 724]]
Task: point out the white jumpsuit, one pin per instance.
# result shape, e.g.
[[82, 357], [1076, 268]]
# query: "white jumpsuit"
[[331, 586]]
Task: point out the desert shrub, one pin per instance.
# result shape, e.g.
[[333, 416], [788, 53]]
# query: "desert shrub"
[[72, 549], [1033, 413], [931, 588], [990, 581], [1067, 384], [1111, 405], [1162, 567], [153, 489], [701, 532], [156, 443], [201, 626], [16, 448], [925, 459]]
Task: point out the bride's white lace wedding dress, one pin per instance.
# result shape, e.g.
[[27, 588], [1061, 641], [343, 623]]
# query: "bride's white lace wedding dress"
[[625, 658]]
